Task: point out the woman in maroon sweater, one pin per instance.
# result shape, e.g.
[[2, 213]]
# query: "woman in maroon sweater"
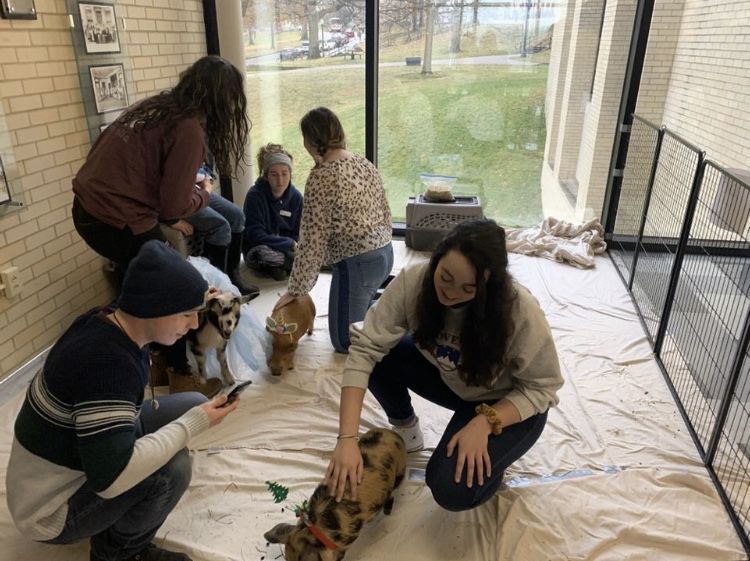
[[141, 170]]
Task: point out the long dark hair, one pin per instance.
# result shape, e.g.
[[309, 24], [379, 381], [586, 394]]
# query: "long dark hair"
[[323, 129], [212, 90], [487, 324]]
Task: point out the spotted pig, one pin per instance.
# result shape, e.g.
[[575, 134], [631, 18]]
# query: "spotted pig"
[[337, 525]]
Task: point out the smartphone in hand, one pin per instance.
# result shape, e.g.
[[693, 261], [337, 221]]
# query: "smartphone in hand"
[[237, 390]]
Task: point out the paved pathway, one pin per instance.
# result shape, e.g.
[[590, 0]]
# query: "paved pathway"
[[509, 60]]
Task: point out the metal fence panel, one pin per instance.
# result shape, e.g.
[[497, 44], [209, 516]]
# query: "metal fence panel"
[[645, 138], [690, 280], [665, 215]]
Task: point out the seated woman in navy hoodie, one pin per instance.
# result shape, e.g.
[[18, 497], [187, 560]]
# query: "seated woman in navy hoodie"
[[273, 210]]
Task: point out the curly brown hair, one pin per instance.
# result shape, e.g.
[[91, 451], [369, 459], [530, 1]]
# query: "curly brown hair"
[[269, 149], [212, 90], [323, 130], [488, 324]]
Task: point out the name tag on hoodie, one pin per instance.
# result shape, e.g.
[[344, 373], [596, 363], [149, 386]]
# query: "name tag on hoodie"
[[285, 213]]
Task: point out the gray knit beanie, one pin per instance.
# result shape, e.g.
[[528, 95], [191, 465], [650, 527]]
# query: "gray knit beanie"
[[160, 282], [274, 158]]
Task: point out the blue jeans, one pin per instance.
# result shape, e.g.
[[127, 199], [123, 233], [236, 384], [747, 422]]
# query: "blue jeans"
[[121, 527], [218, 221], [353, 286], [404, 369]]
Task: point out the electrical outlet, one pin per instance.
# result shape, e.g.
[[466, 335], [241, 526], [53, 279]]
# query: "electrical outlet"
[[11, 281]]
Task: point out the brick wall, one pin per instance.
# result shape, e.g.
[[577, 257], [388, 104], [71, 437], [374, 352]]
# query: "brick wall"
[[695, 81], [657, 68], [44, 140], [587, 19], [585, 134], [556, 79], [600, 123], [707, 95]]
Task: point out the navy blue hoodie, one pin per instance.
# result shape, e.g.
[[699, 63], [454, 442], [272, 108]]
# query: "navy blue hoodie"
[[271, 222]]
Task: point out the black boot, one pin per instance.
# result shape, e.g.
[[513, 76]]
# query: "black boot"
[[216, 255], [233, 267]]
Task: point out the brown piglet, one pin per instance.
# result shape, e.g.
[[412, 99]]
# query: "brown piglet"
[[287, 325], [326, 528]]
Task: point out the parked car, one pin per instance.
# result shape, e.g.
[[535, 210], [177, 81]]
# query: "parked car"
[[291, 54]]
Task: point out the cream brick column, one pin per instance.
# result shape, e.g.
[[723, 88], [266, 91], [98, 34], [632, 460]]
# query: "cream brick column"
[[232, 46], [600, 123], [587, 17], [556, 79]]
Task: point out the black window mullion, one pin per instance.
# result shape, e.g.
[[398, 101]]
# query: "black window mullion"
[[372, 39]]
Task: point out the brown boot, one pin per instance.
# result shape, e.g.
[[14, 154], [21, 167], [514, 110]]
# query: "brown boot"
[[189, 382], [159, 376]]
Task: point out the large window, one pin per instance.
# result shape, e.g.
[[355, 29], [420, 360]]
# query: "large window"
[[461, 89], [301, 54]]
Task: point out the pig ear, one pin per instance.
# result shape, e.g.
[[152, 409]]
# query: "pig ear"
[[270, 323], [290, 328], [279, 533]]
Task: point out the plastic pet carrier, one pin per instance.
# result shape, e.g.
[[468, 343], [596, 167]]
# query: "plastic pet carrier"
[[427, 222]]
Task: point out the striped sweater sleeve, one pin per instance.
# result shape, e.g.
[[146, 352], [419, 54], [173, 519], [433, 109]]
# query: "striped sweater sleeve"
[[112, 458]]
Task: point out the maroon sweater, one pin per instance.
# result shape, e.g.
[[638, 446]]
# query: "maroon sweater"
[[137, 178]]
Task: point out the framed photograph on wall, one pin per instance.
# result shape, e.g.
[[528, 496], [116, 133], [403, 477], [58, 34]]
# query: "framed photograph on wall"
[[108, 81], [4, 186], [18, 9], [99, 27]]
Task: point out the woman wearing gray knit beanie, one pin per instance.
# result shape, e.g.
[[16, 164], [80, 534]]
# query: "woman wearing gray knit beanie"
[[273, 211]]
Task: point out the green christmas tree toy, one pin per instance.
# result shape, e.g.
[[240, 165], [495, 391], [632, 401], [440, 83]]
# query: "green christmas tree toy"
[[279, 491]]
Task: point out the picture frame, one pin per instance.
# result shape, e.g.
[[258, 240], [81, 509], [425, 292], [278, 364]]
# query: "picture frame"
[[5, 196], [108, 83], [18, 9], [99, 28]]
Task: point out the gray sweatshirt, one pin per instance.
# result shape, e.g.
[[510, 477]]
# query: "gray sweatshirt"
[[530, 378]]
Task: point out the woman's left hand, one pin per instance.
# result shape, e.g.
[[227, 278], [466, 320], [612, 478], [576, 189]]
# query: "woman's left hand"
[[184, 227], [285, 299], [472, 451]]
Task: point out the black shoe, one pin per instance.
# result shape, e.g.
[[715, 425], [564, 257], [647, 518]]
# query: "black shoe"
[[278, 273], [152, 553]]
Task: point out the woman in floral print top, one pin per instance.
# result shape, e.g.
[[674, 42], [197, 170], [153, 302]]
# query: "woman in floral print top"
[[346, 223]]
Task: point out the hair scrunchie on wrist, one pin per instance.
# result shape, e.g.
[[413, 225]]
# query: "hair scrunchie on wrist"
[[491, 413]]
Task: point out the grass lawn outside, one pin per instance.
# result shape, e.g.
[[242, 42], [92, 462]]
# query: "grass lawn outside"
[[483, 123]]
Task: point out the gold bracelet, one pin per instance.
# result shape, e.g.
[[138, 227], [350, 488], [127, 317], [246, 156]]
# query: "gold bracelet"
[[342, 436], [491, 413]]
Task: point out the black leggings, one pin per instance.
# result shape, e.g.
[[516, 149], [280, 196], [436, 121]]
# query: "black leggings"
[[118, 244]]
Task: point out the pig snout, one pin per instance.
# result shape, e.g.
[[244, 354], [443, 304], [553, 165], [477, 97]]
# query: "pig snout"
[[280, 361]]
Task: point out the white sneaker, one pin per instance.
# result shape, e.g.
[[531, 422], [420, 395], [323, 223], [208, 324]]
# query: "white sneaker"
[[412, 436]]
